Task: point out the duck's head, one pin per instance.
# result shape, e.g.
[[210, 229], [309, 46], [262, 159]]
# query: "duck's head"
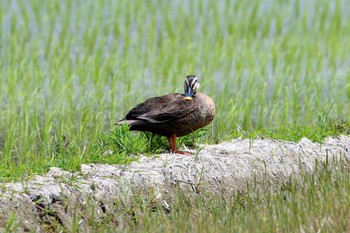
[[191, 86]]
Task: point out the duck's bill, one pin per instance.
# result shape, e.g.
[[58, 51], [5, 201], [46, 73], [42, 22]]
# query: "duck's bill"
[[187, 98]]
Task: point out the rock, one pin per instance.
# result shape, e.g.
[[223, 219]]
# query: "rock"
[[48, 201]]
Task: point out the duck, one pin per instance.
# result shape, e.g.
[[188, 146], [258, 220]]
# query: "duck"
[[173, 115]]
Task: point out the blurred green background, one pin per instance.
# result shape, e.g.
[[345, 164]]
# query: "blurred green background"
[[70, 69]]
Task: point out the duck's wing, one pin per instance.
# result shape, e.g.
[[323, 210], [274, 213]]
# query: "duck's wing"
[[150, 105], [170, 111]]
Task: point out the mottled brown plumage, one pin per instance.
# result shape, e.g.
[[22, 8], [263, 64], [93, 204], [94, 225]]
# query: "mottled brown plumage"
[[173, 115]]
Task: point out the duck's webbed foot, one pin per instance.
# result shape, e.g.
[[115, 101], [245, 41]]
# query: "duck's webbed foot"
[[172, 143], [182, 152]]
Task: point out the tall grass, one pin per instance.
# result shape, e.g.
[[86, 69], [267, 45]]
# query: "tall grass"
[[70, 69]]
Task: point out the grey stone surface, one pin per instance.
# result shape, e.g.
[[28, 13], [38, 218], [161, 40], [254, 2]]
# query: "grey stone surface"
[[45, 201]]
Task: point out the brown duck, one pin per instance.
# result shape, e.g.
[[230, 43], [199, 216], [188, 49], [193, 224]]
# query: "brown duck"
[[173, 115]]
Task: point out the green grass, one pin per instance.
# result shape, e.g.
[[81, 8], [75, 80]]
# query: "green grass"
[[70, 69], [280, 69]]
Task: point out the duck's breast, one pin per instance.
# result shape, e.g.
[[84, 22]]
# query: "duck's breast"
[[202, 115]]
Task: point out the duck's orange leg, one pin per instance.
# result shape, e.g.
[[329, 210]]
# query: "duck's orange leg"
[[172, 143]]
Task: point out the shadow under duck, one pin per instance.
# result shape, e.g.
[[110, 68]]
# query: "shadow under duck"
[[173, 115]]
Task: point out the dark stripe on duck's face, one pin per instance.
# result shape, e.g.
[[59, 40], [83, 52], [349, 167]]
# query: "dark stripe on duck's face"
[[195, 86]]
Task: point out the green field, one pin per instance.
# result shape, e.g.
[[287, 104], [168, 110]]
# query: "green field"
[[70, 69]]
